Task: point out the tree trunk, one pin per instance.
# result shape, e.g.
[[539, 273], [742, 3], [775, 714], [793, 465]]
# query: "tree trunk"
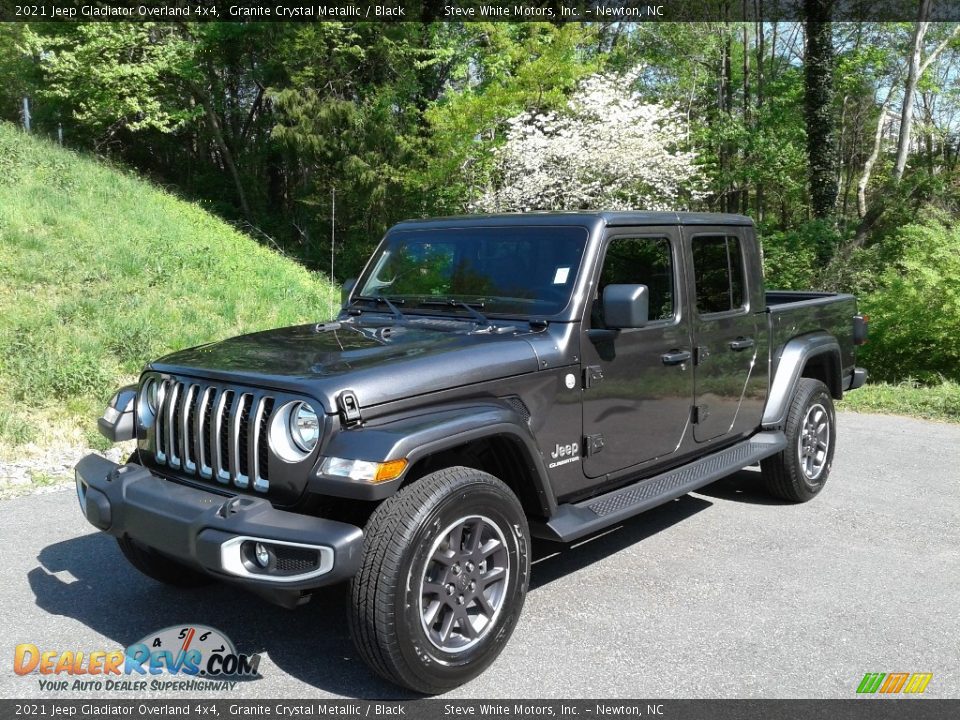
[[818, 101], [203, 97], [759, 34], [927, 103], [872, 158], [745, 191], [913, 77]]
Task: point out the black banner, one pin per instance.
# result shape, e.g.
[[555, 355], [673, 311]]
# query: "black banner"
[[854, 709], [604, 11]]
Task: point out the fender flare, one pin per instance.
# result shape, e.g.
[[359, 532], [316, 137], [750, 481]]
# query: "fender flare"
[[417, 435], [793, 359]]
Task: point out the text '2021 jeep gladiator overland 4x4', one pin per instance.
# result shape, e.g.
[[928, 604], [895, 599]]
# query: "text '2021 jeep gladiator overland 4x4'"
[[489, 379]]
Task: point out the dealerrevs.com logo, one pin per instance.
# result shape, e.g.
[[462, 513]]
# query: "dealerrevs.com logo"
[[178, 658]]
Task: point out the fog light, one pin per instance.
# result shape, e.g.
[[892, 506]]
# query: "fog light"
[[262, 554]]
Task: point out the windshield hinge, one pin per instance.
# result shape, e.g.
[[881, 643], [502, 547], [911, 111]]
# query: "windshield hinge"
[[593, 444], [699, 413], [349, 408]]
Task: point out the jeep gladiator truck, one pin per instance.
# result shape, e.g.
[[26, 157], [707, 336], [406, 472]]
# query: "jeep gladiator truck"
[[488, 380]]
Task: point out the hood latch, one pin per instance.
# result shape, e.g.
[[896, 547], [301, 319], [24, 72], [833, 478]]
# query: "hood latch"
[[349, 408]]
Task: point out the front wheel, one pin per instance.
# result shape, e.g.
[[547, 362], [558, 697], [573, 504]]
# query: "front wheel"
[[442, 581], [799, 472]]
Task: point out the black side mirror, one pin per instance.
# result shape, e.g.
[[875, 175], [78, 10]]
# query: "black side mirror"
[[345, 291], [626, 306]]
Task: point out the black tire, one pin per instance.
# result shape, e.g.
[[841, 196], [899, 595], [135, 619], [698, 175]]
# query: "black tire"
[[160, 567], [412, 556], [799, 472]]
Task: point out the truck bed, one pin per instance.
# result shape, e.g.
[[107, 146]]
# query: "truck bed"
[[799, 312]]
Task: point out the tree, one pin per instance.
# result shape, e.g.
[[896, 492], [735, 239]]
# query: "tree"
[[818, 100], [915, 68], [608, 149]]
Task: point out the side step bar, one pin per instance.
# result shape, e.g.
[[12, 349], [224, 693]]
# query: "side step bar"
[[575, 520]]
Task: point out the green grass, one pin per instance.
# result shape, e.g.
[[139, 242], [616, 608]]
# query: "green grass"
[[100, 272], [936, 402]]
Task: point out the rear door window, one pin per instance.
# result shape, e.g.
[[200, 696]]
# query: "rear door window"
[[718, 273]]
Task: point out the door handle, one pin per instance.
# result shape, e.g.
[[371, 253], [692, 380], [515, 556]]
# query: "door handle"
[[676, 357], [741, 343]]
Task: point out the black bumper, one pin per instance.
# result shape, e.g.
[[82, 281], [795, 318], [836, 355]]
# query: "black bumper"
[[857, 379], [193, 526]]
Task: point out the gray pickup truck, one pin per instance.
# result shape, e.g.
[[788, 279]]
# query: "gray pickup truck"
[[488, 380]]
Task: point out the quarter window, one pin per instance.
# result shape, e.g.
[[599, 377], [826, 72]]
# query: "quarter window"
[[718, 273]]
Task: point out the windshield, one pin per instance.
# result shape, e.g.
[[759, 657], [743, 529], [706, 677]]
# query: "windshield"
[[525, 270]]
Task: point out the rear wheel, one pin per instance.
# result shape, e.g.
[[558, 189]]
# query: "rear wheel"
[[799, 472], [442, 581], [159, 566]]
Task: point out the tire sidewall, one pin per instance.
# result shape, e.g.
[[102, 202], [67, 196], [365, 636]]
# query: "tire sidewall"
[[815, 393], [428, 662]]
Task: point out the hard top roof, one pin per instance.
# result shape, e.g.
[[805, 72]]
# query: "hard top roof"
[[581, 217]]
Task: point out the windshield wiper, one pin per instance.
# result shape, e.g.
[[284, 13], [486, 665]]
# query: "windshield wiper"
[[451, 303], [380, 300]]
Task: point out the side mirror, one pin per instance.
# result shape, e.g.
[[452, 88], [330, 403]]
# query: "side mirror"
[[626, 306], [345, 291], [117, 425]]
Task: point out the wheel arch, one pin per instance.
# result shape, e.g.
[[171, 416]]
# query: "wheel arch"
[[816, 356], [489, 435], [501, 454]]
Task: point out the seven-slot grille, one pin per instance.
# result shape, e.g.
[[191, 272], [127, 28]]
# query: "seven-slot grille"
[[214, 432]]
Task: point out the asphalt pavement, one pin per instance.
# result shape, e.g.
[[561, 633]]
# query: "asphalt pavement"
[[722, 593]]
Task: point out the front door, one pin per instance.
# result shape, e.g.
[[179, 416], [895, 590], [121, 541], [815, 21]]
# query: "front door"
[[639, 382], [727, 334]]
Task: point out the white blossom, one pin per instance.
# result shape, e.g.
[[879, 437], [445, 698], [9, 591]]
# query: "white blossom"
[[609, 150]]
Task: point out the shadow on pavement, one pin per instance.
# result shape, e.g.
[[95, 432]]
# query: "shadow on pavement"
[[744, 486], [552, 560], [87, 579]]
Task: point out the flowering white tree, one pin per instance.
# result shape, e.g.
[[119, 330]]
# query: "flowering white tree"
[[609, 150]]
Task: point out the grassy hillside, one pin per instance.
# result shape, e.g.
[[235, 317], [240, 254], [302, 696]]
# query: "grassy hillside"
[[101, 271]]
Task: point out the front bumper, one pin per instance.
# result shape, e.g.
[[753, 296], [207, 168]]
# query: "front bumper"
[[209, 531]]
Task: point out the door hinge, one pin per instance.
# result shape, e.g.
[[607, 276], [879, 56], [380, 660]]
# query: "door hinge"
[[592, 375], [700, 353], [699, 413], [349, 408], [593, 444]]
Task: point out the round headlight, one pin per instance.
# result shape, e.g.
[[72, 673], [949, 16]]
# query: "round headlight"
[[304, 427]]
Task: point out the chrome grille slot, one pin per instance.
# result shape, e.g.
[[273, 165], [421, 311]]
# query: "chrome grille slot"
[[160, 437], [185, 425], [172, 426], [237, 441], [207, 432], [214, 433], [220, 437], [260, 446], [201, 430]]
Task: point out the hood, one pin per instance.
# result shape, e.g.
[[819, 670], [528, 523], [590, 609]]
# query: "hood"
[[379, 362]]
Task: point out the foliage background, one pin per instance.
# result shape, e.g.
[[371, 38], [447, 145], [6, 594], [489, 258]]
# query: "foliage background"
[[274, 127]]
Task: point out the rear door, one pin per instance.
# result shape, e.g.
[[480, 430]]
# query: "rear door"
[[640, 382], [727, 331]]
